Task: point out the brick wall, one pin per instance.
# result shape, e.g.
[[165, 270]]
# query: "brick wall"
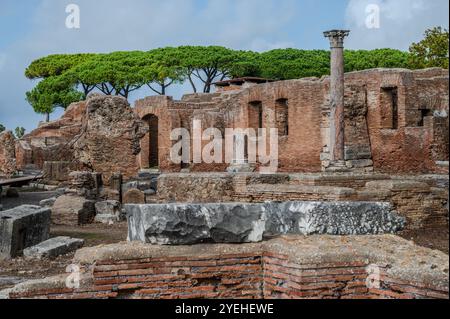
[[314, 268], [414, 145], [370, 133], [423, 200]]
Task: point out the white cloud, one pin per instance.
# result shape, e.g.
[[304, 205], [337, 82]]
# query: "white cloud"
[[402, 22]]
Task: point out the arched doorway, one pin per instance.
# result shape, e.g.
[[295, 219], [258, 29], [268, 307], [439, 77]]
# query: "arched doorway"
[[150, 145]]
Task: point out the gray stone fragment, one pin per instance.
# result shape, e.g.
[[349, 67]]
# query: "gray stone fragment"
[[142, 185], [22, 227], [53, 248], [10, 281], [106, 219], [4, 294], [109, 211], [73, 211], [12, 193], [60, 191], [47, 202], [358, 152], [128, 186], [360, 163], [180, 224], [149, 192]]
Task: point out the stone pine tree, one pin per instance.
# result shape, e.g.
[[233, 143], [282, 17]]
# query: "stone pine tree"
[[52, 92], [162, 69], [2, 128], [432, 51], [116, 73], [207, 64], [56, 87], [57, 65], [67, 78]]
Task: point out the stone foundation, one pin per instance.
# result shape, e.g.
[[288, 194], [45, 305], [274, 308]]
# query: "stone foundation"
[[421, 199], [316, 267]]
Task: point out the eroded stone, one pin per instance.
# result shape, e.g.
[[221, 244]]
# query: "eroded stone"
[[107, 212], [181, 224], [73, 210], [22, 227], [53, 248]]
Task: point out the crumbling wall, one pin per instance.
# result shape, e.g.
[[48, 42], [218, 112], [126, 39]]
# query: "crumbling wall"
[[110, 137], [396, 120], [403, 139], [300, 149], [7, 154], [50, 141]]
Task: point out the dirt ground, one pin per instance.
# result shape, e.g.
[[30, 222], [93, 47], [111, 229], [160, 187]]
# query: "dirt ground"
[[18, 270]]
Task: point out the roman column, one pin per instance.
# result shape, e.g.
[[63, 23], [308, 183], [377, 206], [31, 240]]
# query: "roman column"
[[337, 120]]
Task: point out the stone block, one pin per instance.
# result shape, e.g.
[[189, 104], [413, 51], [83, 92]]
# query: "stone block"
[[73, 211], [142, 185], [22, 227], [399, 185], [110, 194], [363, 163], [134, 196], [47, 202], [241, 168], [325, 157], [12, 193], [358, 152], [184, 224], [108, 212], [53, 248]]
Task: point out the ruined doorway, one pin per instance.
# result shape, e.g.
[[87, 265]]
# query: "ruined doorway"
[[255, 115], [150, 147], [255, 122], [389, 108], [282, 117]]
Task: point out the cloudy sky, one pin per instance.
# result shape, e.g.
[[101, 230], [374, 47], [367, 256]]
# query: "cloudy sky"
[[30, 29]]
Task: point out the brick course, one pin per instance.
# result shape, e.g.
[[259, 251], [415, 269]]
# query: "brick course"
[[286, 268]]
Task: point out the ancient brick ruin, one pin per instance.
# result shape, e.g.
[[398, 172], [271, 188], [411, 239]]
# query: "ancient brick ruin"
[[396, 122], [376, 139], [325, 268]]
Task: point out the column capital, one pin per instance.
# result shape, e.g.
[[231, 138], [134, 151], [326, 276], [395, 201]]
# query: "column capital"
[[336, 37]]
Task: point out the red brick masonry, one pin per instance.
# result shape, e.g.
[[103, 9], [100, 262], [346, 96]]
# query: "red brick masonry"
[[318, 267]]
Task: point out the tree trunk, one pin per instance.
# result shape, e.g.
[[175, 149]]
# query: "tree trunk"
[[192, 83], [47, 117]]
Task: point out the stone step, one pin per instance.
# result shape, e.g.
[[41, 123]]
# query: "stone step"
[[149, 171], [53, 248]]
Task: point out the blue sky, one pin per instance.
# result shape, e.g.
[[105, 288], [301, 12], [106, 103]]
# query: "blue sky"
[[30, 29]]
